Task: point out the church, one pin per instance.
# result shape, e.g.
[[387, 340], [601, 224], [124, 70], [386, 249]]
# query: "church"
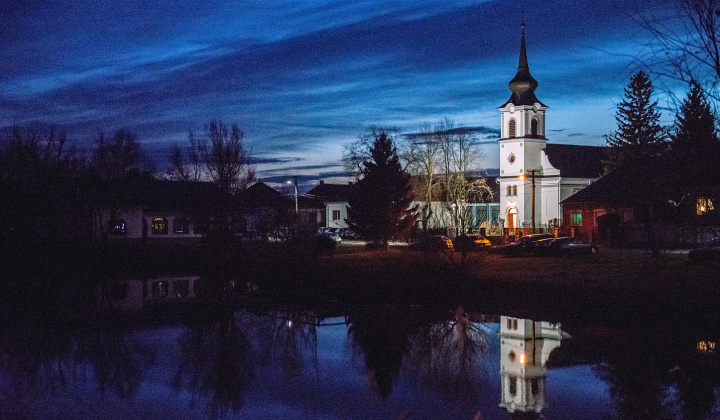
[[535, 175]]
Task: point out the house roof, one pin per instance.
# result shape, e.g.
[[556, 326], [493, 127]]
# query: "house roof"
[[618, 187], [575, 161], [182, 196], [261, 195], [331, 192]]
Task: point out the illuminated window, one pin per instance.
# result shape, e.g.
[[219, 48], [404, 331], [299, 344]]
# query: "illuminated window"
[[704, 206], [576, 218], [117, 227], [514, 190], [336, 215], [509, 323], [514, 324], [159, 226], [511, 128], [159, 289], [181, 225], [534, 127], [509, 190]]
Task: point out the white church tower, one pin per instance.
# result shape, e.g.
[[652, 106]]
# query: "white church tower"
[[522, 139]]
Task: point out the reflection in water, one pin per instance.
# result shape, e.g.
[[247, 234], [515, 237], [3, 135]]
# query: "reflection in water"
[[525, 347], [216, 361], [447, 355]]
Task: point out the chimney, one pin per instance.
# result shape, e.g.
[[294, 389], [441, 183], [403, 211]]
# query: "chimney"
[[322, 182]]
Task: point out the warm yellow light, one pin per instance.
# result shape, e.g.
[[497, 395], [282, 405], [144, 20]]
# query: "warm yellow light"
[[522, 176], [522, 358]]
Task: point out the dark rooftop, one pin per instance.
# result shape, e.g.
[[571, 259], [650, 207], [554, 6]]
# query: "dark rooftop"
[[576, 161]]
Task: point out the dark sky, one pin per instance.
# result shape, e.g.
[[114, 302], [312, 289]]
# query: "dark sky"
[[305, 77]]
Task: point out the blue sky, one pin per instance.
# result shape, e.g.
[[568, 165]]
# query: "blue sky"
[[304, 78]]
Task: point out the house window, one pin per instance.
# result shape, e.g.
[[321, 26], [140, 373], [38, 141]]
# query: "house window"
[[576, 218], [534, 127], [335, 215], [511, 128], [181, 225], [181, 288], [704, 206], [159, 226], [159, 289], [117, 227]]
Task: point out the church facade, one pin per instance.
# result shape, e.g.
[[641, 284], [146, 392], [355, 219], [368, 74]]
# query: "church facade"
[[535, 176]]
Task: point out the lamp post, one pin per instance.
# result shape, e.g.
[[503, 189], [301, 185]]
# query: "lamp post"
[[296, 193], [532, 196]]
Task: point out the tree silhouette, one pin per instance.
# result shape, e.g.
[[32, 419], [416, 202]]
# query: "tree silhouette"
[[695, 143], [379, 206], [639, 136]]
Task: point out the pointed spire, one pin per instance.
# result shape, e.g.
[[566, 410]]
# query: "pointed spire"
[[523, 85]]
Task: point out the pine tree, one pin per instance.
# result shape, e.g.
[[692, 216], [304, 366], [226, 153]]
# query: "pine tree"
[[639, 135], [379, 207], [695, 144]]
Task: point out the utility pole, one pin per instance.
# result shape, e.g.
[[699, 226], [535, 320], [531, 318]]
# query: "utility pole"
[[532, 197], [296, 195]]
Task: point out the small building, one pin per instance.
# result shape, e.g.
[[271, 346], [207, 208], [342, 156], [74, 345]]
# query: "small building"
[[334, 198]]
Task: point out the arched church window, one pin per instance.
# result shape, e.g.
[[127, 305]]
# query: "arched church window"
[[511, 128], [534, 127]]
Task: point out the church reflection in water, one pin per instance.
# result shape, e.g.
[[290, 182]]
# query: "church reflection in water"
[[525, 346]]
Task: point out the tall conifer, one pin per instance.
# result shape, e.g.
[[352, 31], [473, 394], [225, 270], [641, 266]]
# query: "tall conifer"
[[695, 143], [379, 206], [639, 135]]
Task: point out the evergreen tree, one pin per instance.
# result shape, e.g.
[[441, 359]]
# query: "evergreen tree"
[[639, 135], [695, 143], [379, 206]]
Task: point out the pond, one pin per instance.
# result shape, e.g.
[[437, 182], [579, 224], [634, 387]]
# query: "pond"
[[384, 362]]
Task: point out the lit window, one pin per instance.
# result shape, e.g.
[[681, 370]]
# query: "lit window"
[[704, 206], [514, 324], [117, 227], [159, 289], [509, 323], [181, 225], [576, 218], [159, 226], [514, 190], [336, 215], [511, 128], [509, 191]]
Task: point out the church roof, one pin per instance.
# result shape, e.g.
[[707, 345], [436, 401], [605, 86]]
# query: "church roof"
[[523, 85], [575, 161], [619, 186]]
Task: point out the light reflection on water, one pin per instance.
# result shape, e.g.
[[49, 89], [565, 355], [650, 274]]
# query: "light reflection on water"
[[389, 363]]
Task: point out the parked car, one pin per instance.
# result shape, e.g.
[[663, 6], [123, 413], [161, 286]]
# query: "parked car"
[[471, 242], [332, 233], [432, 243], [709, 251], [564, 246], [524, 245]]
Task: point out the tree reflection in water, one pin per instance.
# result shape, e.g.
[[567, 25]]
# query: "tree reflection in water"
[[447, 356], [216, 362], [444, 356], [45, 352], [284, 335]]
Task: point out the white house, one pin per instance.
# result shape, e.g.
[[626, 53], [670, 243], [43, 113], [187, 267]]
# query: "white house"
[[536, 176]]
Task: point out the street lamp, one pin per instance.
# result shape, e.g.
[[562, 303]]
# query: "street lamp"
[[296, 193], [532, 197]]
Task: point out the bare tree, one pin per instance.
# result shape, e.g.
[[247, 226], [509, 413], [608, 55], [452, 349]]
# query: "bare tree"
[[226, 158], [186, 163], [685, 44], [460, 156], [423, 160]]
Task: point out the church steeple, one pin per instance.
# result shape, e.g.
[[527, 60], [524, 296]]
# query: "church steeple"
[[523, 85]]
